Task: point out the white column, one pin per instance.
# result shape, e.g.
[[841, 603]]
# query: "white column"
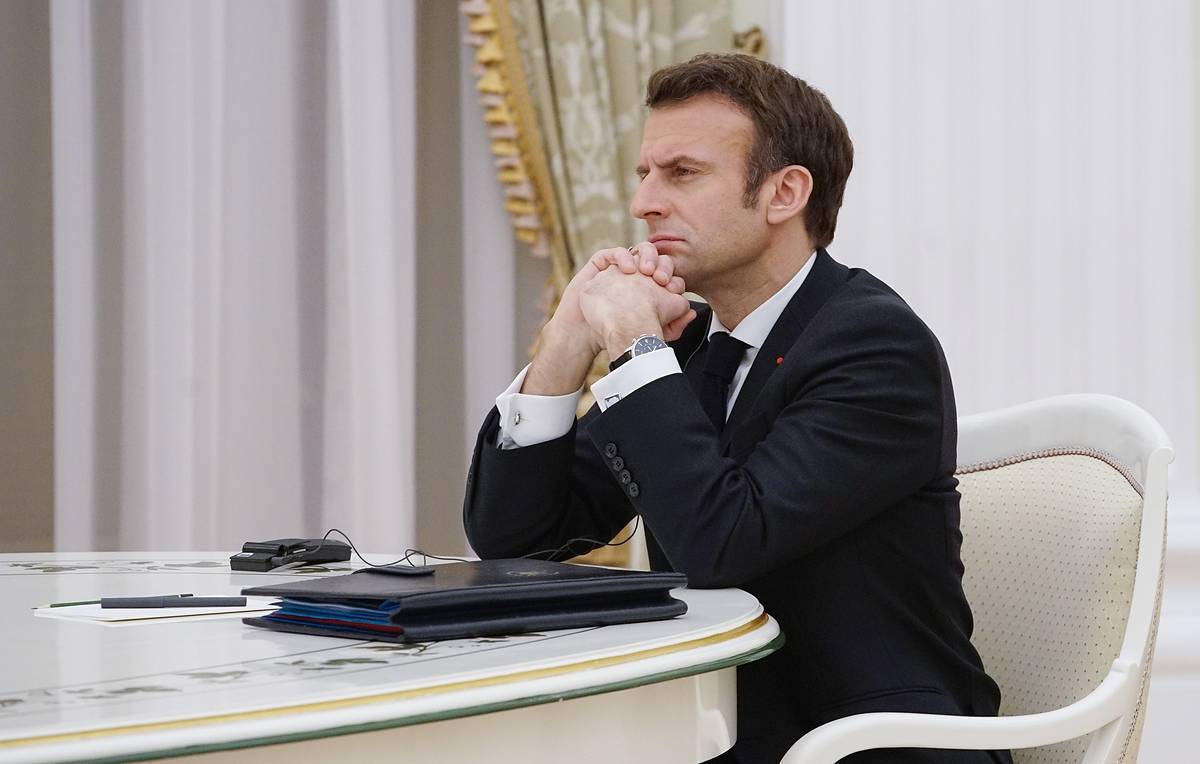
[[74, 275], [173, 67], [369, 487], [234, 195]]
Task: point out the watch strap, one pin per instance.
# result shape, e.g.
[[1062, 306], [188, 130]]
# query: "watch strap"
[[630, 351]]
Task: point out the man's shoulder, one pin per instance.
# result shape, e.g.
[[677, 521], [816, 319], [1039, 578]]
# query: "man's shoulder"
[[862, 290], [865, 305]]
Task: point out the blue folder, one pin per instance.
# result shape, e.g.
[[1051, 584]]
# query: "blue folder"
[[469, 599]]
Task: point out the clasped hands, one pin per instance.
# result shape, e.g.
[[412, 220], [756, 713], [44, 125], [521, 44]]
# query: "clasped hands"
[[618, 295], [625, 293]]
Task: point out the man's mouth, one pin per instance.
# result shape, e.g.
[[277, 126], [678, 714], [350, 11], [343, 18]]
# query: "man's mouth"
[[663, 238]]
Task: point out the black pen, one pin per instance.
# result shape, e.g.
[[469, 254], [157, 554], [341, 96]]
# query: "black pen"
[[171, 601], [95, 602]]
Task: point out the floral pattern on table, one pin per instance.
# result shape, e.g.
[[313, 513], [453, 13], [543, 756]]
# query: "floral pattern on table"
[[352, 657]]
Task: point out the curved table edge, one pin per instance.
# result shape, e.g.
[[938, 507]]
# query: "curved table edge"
[[29, 745]]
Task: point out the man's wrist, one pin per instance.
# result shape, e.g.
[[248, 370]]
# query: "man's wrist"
[[575, 338], [619, 337], [561, 364]]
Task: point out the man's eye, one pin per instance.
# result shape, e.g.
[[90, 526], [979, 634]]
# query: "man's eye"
[[684, 171]]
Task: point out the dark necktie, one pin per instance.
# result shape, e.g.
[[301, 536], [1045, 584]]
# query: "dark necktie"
[[720, 363]]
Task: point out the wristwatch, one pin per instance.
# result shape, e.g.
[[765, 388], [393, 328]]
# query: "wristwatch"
[[647, 343]]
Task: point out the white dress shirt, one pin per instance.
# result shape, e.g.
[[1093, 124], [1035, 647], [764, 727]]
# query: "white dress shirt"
[[527, 420]]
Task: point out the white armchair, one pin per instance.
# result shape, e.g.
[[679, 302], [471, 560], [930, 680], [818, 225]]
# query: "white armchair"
[[1064, 524]]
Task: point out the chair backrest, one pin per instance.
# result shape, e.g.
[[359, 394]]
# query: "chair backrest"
[[1063, 520]]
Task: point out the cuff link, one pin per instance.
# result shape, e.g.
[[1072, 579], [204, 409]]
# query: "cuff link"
[[516, 418]]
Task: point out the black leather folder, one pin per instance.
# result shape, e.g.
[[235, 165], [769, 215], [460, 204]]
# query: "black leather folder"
[[469, 599]]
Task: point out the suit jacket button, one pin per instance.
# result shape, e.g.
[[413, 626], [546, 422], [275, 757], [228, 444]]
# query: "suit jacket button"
[[610, 450], [633, 490], [617, 463], [624, 477]]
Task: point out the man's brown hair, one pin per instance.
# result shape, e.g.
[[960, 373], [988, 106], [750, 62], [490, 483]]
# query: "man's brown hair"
[[795, 124]]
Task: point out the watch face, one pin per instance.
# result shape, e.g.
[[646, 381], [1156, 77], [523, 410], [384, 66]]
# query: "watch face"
[[647, 345]]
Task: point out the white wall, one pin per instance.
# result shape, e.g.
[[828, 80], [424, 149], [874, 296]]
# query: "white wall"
[[489, 263], [503, 283], [1025, 177]]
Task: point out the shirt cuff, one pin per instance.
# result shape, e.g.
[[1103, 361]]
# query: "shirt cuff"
[[526, 420], [633, 374]]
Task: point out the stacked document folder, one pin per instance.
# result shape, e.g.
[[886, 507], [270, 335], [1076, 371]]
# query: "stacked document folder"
[[469, 599]]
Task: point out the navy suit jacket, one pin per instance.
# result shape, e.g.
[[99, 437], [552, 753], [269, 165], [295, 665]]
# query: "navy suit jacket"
[[830, 496]]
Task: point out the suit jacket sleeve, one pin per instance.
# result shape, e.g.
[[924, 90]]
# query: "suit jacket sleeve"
[[849, 425], [536, 498]]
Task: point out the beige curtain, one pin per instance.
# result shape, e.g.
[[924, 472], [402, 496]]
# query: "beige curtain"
[[562, 82], [586, 64]]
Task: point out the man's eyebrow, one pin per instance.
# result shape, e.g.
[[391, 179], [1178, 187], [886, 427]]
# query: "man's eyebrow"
[[675, 161]]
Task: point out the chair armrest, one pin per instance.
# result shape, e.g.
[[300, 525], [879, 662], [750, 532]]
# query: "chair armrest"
[[831, 742]]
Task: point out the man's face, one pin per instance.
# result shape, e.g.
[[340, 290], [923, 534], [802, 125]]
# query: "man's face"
[[693, 169]]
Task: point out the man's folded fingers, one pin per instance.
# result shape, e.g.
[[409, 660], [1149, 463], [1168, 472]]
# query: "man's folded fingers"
[[665, 270], [628, 261], [606, 257], [618, 256], [647, 257], [674, 330], [642, 258]]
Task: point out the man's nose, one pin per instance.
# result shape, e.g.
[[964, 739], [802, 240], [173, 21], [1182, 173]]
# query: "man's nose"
[[647, 201]]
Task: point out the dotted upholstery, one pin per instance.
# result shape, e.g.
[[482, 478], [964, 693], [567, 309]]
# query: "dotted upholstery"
[[1050, 545]]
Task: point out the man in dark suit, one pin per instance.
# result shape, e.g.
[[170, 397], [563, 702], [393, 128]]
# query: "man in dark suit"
[[794, 437]]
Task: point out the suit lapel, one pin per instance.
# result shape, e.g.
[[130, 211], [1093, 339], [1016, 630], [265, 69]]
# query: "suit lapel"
[[826, 276]]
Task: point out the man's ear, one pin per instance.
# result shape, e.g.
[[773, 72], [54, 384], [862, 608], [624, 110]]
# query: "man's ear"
[[792, 187]]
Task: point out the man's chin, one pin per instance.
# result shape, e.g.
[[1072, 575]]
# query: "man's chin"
[[678, 252], [672, 247]]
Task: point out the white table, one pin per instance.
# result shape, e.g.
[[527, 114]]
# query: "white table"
[[653, 692]]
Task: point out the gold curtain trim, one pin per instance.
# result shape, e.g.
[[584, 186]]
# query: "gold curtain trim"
[[751, 41], [516, 139]]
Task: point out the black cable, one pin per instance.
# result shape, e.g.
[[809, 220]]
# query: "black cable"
[[637, 521], [408, 553], [425, 556]]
